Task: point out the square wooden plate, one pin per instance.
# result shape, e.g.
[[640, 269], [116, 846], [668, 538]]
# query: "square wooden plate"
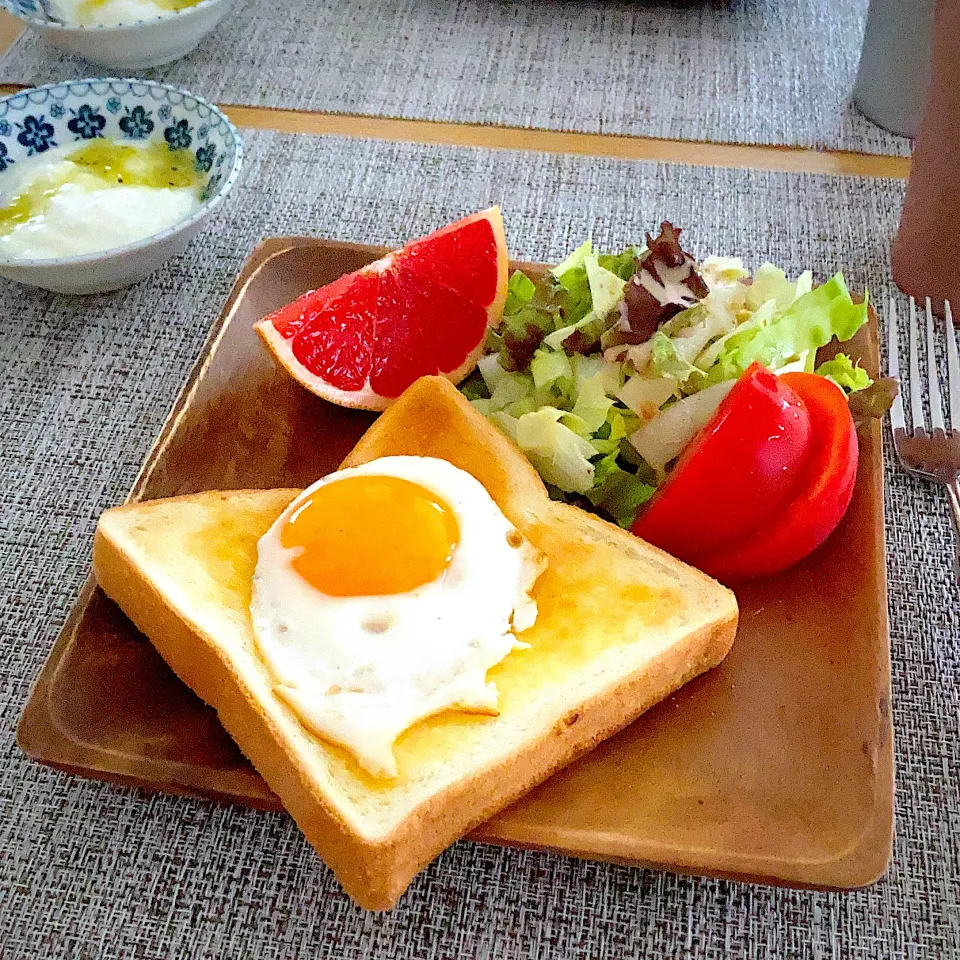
[[777, 766]]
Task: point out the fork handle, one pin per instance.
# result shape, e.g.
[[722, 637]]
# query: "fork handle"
[[953, 492]]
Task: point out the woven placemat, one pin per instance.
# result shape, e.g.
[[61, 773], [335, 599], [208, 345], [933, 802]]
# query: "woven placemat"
[[88, 870], [736, 71]]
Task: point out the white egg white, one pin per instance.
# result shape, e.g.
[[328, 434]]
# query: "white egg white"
[[360, 670]]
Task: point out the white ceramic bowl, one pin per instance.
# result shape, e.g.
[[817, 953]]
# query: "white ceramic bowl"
[[59, 114], [132, 47]]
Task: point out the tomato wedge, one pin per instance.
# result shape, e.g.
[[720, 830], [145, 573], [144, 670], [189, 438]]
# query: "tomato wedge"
[[824, 496], [737, 475]]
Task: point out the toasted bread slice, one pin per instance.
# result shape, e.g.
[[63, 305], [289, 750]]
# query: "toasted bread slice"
[[621, 625]]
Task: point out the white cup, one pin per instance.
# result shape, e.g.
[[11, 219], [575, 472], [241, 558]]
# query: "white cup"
[[894, 72]]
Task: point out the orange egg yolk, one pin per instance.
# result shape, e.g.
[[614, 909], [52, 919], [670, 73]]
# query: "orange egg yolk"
[[370, 535]]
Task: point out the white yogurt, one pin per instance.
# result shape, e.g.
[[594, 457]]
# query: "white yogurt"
[[113, 13], [82, 213]]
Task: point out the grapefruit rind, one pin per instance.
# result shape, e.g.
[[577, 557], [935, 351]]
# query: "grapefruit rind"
[[363, 399], [495, 310]]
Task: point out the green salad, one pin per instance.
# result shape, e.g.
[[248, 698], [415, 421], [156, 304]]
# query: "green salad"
[[605, 368]]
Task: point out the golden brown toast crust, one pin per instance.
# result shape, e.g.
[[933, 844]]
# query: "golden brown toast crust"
[[431, 419], [200, 665]]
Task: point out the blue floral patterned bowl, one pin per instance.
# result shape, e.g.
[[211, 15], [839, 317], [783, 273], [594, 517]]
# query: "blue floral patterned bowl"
[[34, 121], [133, 46]]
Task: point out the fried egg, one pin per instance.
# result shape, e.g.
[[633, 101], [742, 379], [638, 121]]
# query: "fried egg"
[[383, 594]]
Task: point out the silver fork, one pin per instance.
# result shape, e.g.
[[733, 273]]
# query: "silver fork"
[[930, 453]]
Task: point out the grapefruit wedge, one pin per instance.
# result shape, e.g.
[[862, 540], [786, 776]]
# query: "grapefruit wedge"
[[420, 311]]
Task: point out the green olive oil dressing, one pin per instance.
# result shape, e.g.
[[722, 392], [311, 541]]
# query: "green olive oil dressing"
[[114, 164], [87, 10], [154, 165]]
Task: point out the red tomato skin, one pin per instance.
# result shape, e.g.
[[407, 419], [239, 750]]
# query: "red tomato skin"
[[815, 513], [736, 475]]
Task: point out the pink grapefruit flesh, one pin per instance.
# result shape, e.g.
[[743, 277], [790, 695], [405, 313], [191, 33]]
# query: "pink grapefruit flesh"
[[421, 310]]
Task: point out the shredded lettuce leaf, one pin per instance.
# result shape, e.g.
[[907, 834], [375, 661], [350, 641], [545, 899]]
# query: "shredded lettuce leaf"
[[622, 264], [573, 262], [572, 275], [667, 362], [474, 389], [520, 291], [560, 456], [603, 409], [606, 288], [723, 271], [605, 291], [645, 395], [491, 371], [586, 366], [509, 389], [771, 283], [550, 366], [592, 404], [842, 371], [809, 323], [618, 492], [528, 317]]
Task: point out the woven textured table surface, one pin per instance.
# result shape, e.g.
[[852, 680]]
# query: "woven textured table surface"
[[89, 870], [750, 71]]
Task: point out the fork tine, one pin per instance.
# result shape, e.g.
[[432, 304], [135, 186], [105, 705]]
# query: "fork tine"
[[916, 390], [953, 366], [933, 376], [893, 366]]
